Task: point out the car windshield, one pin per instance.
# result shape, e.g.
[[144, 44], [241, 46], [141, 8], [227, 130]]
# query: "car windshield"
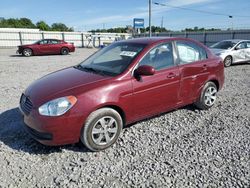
[[112, 60], [224, 45]]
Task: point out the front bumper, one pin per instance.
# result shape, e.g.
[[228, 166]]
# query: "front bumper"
[[53, 131], [18, 52], [38, 135]]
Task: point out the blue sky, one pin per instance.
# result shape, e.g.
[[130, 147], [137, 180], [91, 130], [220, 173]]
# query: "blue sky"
[[92, 14]]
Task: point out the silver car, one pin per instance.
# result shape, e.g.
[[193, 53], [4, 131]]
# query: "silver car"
[[232, 51]]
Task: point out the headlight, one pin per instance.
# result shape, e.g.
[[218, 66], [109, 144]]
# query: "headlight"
[[218, 54], [58, 106]]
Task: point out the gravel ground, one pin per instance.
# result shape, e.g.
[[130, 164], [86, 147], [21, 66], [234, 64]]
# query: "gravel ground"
[[182, 148]]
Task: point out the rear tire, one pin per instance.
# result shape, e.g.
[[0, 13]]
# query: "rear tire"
[[27, 52], [228, 61], [207, 97], [102, 129], [64, 51]]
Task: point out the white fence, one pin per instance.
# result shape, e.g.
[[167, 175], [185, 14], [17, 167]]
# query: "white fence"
[[13, 38]]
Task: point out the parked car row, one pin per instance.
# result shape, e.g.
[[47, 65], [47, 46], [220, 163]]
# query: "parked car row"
[[122, 83], [231, 51]]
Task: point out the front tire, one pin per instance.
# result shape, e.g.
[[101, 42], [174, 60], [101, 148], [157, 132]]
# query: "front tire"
[[207, 97], [64, 51], [27, 52], [102, 129], [228, 61]]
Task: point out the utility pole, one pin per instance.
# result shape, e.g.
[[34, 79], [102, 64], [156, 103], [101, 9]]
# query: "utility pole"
[[149, 16], [162, 22]]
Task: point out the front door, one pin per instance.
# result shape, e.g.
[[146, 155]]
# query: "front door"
[[159, 92], [239, 53], [44, 46]]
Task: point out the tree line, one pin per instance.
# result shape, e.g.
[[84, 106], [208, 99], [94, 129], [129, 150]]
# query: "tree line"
[[42, 25], [155, 29], [27, 23]]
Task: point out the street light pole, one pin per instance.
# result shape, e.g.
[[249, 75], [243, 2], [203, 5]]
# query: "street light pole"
[[231, 17], [149, 16]]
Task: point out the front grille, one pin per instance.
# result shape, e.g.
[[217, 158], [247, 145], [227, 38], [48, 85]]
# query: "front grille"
[[25, 104]]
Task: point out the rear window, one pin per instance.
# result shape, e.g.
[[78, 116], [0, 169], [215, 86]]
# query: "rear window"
[[190, 52]]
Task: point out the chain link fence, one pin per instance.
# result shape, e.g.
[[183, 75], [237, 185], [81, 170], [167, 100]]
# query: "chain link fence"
[[206, 37], [10, 38]]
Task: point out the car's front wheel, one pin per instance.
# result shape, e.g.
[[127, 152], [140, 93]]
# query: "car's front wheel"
[[207, 97], [102, 128], [228, 61], [27, 52]]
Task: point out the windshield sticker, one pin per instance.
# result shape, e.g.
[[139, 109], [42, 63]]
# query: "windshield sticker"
[[128, 53]]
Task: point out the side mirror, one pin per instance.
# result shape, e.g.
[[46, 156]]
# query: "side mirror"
[[145, 70]]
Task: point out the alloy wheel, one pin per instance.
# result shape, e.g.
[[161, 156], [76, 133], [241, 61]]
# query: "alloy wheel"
[[27, 52], [104, 130], [210, 96]]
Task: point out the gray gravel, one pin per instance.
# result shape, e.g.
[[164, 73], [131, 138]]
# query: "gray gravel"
[[182, 148]]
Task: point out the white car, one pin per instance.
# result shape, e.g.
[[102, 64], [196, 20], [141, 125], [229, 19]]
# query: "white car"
[[232, 51]]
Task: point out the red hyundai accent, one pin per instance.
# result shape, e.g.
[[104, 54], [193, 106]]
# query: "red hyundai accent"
[[123, 83], [45, 47]]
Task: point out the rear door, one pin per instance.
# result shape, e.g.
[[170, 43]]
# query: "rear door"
[[159, 92], [194, 69], [55, 46]]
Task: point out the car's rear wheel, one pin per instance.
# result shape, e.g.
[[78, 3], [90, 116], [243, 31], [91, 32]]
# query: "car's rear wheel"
[[102, 129], [228, 61], [27, 52], [207, 97], [64, 51]]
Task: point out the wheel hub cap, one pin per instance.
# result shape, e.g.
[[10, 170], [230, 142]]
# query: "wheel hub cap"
[[210, 96], [104, 130]]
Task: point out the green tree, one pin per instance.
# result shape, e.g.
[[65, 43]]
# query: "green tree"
[[25, 23], [60, 27], [42, 26]]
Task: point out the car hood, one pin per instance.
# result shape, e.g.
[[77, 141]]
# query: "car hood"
[[218, 51], [54, 84], [25, 45]]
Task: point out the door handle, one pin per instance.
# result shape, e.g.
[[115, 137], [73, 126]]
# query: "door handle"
[[205, 66], [171, 75]]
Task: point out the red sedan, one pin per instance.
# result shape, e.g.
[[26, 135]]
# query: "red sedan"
[[46, 46], [123, 83]]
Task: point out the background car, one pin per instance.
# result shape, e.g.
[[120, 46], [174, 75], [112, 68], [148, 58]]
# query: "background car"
[[46, 46], [232, 51], [124, 82]]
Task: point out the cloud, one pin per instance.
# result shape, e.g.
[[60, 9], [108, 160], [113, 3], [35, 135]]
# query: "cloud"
[[143, 12]]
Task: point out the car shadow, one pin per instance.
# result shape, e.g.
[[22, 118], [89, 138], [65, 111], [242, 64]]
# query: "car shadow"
[[190, 107], [20, 55], [16, 55], [13, 135], [239, 64]]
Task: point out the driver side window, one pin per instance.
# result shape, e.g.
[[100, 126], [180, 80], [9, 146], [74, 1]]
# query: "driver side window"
[[160, 57], [242, 45]]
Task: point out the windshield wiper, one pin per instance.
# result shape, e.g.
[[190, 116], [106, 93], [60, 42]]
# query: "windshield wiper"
[[89, 69]]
